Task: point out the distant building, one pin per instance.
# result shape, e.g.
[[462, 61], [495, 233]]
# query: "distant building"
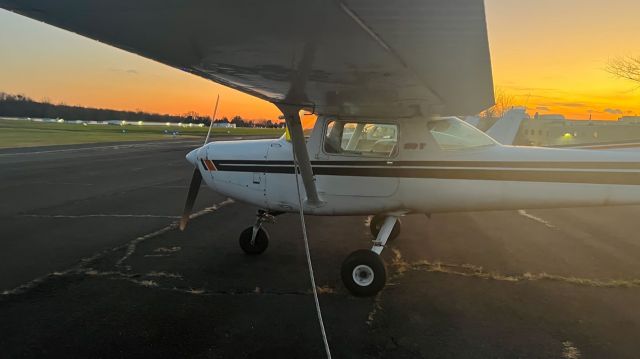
[[630, 119], [555, 130], [224, 125], [551, 117]]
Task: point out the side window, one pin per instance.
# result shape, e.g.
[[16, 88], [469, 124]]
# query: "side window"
[[361, 138]]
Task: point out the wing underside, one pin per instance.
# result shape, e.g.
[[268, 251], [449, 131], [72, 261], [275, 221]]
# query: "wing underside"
[[357, 57]]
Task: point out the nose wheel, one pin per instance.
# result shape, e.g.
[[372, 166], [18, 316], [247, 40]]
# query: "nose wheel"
[[255, 239], [363, 272]]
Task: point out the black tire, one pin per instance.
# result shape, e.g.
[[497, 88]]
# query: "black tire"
[[369, 268], [376, 224], [261, 242]]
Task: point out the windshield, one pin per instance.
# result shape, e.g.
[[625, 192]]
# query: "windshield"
[[454, 134]]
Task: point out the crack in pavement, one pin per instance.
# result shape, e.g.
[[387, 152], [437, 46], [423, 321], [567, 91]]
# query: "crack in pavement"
[[130, 249], [474, 271], [525, 214], [569, 351], [168, 250], [205, 292], [401, 266], [399, 269], [164, 275], [150, 279], [23, 288], [138, 279]]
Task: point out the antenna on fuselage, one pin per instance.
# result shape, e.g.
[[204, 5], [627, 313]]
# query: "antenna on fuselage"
[[215, 110]]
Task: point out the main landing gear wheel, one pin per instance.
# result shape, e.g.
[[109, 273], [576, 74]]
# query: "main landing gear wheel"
[[254, 245], [364, 273], [376, 224]]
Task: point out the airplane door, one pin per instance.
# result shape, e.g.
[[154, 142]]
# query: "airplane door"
[[356, 185], [355, 159]]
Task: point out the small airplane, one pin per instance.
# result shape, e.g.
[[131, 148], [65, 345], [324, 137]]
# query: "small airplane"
[[386, 79], [507, 129]]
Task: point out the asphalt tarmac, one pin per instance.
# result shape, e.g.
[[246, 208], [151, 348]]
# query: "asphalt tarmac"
[[92, 265]]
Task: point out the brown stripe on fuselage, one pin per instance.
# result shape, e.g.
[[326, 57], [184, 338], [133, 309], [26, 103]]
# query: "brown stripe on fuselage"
[[523, 174], [466, 164]]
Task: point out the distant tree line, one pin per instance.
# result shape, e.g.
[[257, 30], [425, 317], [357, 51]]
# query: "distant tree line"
[[240, 122], [23, 106]]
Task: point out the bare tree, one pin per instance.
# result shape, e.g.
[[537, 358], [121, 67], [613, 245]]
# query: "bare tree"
[[625, 67], [504, 102]]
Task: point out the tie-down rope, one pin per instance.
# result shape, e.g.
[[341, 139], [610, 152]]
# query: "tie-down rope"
[[306, 248]]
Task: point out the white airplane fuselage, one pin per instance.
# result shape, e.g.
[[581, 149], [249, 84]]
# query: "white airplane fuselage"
[[419, 175]]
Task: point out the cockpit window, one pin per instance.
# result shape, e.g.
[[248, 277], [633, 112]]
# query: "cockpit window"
[[454, 134], [361, 138]]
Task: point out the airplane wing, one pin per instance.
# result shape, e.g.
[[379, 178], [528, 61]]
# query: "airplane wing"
[[334, 57]]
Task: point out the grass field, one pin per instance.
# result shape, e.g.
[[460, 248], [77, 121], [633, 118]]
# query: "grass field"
[[28, 134]]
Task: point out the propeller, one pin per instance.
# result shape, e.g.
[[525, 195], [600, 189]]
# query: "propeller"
[[196, 178]]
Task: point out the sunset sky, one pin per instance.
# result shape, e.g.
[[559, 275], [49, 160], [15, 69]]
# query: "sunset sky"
[[549, 54]]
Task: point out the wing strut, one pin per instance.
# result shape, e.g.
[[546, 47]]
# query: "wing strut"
[[292, 117]]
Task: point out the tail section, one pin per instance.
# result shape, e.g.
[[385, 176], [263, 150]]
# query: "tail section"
[[506, 128], [473, 121]]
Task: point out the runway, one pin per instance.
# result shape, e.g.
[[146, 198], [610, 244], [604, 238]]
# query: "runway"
[[92, 265]]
